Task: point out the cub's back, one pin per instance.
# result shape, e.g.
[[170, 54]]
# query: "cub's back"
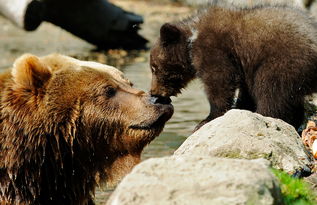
[[258, 34], [263, 22], [281, 21]]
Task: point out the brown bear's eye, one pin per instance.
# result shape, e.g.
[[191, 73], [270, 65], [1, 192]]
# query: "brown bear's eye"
[[110, 92]]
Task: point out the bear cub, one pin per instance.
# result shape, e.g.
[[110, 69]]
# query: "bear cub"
[[263, 59]]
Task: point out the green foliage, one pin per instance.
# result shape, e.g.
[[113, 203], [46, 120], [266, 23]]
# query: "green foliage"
[[295, 191]]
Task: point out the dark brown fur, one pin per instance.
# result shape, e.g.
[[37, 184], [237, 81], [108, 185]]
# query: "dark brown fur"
[[269, 53], [63, 124]]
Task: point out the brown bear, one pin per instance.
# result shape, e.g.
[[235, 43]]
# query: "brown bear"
[[64, 124], [262, 59]]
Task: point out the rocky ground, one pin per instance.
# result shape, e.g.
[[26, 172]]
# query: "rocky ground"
[[227, 161]]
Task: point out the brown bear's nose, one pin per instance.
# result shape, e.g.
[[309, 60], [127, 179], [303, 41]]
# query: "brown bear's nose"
[[156, 99]]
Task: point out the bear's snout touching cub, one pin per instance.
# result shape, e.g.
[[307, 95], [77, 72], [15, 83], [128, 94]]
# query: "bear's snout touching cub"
[[262, 59], [66, 123]]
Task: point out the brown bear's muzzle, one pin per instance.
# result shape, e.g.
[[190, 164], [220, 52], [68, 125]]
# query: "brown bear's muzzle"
[[163, 109]]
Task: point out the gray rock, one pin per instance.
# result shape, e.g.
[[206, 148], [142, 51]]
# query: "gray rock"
[[247, 135], [197, 180]]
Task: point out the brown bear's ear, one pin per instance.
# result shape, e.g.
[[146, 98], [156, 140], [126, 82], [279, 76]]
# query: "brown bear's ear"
[[29, 72], [169, 34]]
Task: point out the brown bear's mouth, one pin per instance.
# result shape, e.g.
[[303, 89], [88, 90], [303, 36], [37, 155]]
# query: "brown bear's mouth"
[[156, 124]]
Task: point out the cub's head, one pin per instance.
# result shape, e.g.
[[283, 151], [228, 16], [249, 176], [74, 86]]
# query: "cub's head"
[[170, 61], [87, 106]]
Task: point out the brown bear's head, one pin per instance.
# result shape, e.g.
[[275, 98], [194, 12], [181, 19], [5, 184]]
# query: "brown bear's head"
[[170, 61], [98, 97], [59, 114]]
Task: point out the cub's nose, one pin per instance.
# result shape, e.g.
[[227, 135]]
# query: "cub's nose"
[[156, 99]]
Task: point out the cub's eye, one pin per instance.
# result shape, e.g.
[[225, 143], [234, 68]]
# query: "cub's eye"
[[110, 92]]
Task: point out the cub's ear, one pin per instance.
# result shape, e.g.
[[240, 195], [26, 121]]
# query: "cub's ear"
[[169, 34], [29, 72]]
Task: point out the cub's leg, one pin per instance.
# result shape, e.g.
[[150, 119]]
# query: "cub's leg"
[[220, 83]]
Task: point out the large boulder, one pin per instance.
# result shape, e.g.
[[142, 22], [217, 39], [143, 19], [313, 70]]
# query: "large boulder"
[[245, 135], [198, 180]]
